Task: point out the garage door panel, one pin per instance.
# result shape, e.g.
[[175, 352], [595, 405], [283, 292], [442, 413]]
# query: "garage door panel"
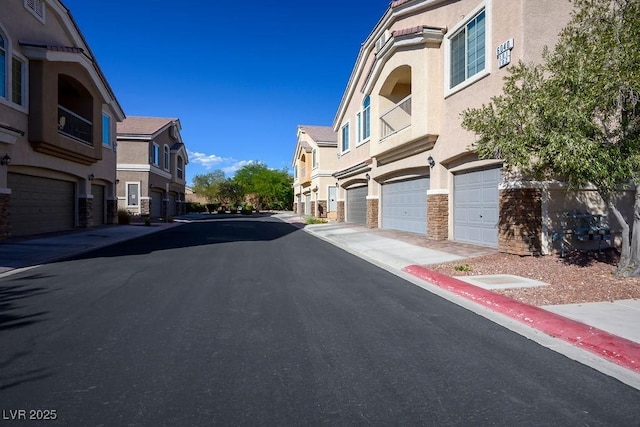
[[156, 205], [357, 205], [40, 205], [475, 213], [404, 205]]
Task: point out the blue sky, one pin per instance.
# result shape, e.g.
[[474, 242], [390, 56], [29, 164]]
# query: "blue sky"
[[240, 75]]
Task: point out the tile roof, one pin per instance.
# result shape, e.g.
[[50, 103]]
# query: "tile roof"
[[134, 125], [54, 48], [320, 133]]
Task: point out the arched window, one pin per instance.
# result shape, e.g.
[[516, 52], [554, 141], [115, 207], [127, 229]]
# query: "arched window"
[[366, 118], [180, 168]]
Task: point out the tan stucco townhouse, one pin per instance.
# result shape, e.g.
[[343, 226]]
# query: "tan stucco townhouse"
[[314, 162], [58, 119], [405, 162], [152, 161]]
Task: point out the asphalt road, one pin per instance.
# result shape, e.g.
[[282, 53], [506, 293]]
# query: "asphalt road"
[[250, 321]]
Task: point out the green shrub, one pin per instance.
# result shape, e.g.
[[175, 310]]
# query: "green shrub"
[[247, 209], [312, 220], [124, 217], [462, 267]]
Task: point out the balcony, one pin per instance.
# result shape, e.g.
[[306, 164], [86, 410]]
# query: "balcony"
[[74, 126], [396, 119]]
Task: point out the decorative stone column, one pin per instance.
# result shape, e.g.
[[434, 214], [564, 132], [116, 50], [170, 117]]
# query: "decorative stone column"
[[145, 206], [112, 211], [302, 208], [520, 224], [372, 211], [313, 208], [322, 208], [340, 215], [295, 207], [437, 216], [5, 217], [85, 211]]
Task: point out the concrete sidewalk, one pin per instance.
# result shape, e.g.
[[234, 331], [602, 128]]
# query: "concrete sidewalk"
[[608, 330]]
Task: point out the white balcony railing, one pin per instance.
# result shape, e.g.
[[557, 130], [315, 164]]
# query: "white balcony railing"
[[396, 119], [74, 126]]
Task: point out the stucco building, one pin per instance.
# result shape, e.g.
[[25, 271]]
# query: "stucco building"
[[58, 120]]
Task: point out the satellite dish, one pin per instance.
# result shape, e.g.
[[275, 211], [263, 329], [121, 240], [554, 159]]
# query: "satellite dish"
[[62, 121]]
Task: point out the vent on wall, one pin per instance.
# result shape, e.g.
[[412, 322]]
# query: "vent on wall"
[[384, 38]]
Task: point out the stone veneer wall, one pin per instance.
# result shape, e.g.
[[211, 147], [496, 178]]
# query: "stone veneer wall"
[[313, 208], [340, 214], [520, 223], [5, 219], [372, 213], [322, 208], [85, 212], [145, 207], [302, 208], [295, 207], [112, 211], [438, 216]]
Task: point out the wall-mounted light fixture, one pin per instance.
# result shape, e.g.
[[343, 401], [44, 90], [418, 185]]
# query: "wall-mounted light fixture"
[[315, 189], [5, 160], [432, 162], [337, 184], [91, 177], [117, 181], [368, 177]]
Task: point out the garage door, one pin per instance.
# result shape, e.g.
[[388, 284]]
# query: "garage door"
[[357, 205], [98, 204], [156, 205], [475, 207], [40, 205], [307, 204], [404, 205], [172, 205]]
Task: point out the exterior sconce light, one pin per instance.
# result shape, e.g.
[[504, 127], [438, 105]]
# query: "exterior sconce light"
[[315, 189], [117, 181], [91, 177], [337, 184], [368, 177], [5, 160], [432, 162]]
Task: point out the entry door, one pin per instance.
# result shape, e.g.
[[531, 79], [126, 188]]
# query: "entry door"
[[307, 204], [98, 204], [333, 204]]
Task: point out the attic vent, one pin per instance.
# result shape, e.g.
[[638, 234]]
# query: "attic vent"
[[36, 7], [384, 38]]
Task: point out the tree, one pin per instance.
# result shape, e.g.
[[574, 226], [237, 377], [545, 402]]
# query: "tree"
[[270, 188], [230, 193], [208, 185], [576, 116]]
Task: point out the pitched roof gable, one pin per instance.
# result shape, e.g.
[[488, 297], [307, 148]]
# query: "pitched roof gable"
[[320, 133], [134, 125]]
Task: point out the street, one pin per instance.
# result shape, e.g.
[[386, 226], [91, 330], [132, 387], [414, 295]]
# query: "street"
[[250, 321]]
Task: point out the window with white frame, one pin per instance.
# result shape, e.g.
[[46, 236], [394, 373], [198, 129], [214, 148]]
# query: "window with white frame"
[[155, 154], [314, 158], [106, 130], [133, 194], [13, 73], [166, 158], [344, 138], [36, 7], [364, 121], [467, 50]]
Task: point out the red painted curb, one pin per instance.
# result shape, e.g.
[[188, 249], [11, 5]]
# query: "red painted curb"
[[619, 350]]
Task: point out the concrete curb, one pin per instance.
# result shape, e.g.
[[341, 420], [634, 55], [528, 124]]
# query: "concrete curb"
[[618, 350]]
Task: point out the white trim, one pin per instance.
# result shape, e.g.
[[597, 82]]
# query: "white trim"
[[138, 207], [437, 191], [372, 198], [8, 136], [340, 136], [133, 167], [10, 53], [487, 6], [5, 191]]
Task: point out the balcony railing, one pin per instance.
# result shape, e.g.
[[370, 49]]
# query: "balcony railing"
[[396, 119], [74, 126]]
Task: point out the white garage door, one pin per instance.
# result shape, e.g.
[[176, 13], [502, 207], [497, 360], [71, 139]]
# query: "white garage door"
[[307, 204], [357, 205], [475, 207], [98, 204], [156, 205], [40, 205], [404, 205]]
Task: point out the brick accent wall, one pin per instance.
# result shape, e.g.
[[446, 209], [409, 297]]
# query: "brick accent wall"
[[112, 211], [520, 221], [438, 216], [5, 219], [340, 215], [85, 212], [322, 208], [313, 208], [372, 213]]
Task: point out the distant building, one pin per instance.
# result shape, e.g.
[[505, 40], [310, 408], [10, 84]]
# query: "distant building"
[[152, 162]]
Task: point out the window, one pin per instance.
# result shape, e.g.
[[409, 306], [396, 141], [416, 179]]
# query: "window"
[[467, 50], [166, 157], [36, 7], [180, 168], [314, 160], [133, 190], [155, 155], [344, 133], [364, 121], [106, 130], [3, 66]]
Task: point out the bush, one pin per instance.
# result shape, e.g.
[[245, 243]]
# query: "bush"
[[247, 209], [312, 220], [124, 217], [195, 207], [213, 207]]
